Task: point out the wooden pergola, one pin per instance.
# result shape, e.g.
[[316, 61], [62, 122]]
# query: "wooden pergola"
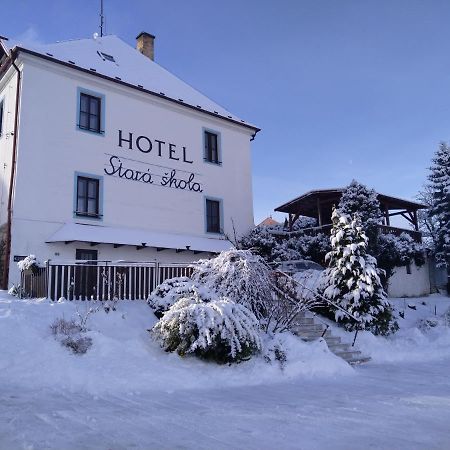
[[318, 204]]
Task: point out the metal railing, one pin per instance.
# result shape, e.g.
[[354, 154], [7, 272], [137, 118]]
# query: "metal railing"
[[324, 300], [98, 280]]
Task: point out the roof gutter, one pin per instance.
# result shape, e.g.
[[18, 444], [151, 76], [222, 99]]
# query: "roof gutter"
[[15, 134]]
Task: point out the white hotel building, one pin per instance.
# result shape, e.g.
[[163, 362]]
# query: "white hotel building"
[[105, 155]]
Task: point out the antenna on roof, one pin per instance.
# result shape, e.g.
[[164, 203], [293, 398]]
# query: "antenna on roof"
[[102, 18]]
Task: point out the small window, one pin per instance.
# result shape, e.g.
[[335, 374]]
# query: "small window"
[[88, 193], [86, 255], [90, 113], [1, 118], [106, 57], [213, 218], [212, 147]]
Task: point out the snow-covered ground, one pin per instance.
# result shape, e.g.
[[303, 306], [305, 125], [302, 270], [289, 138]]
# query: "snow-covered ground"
[[126, 393]]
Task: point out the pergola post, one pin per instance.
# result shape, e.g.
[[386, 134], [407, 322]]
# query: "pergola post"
[[319, 212], [415, 221], [386, 215]]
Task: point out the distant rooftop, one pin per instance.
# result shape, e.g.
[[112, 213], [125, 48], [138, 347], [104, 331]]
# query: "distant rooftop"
[[110, 57], [268, 222]]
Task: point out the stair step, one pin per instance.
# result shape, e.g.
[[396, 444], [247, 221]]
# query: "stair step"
[[309, 330], [332, 340], [339, 347], [310, 327], [305, 321], [360, 360], [313, 334], [349, 354]]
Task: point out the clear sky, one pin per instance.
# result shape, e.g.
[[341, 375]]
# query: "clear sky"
[[342, 89]]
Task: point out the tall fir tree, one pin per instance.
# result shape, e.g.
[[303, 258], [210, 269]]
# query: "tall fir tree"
[[359, 199], [353, 279], [440, 186]]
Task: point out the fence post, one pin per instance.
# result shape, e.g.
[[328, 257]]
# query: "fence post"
[[49, 284]]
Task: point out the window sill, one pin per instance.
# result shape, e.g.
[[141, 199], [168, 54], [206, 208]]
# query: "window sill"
[[213, 163], [87, 130], [216, 233], [87, 215]]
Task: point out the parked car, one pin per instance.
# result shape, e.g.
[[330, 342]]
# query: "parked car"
[[299, 265], [307, 274]]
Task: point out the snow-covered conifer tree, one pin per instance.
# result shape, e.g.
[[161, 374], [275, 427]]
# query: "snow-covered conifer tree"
[[358, 198], [440, 185], [353, 281]]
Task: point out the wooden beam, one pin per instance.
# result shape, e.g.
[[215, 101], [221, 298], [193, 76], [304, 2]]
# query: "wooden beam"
[[398, 213], [196, 252], [118, 245], [93, 244], [68, 242], [160, 249], [409, 219]]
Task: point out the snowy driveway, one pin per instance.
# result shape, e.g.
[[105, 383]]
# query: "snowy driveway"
[[388, 406]]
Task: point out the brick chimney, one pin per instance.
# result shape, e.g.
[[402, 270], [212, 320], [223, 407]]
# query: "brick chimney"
[[145, 43]]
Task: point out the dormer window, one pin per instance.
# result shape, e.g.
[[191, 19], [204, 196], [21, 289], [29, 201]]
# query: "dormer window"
[[106, 57]]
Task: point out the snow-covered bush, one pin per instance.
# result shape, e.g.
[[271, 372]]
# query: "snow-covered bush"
[[15, 290], [170, 291], [246, 279], [396, 251], [261, 241], [220, 330], [240, 276], [274, 350], [30, 263], [70, 335], [353, 281], [274, 243]]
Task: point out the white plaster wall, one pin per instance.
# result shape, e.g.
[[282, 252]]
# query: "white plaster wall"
[[415, 284], [51, 149]]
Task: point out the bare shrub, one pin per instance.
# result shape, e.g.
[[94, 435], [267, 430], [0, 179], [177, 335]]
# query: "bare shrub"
[[69, 333]]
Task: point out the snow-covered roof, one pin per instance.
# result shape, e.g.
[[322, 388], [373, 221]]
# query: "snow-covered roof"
[[76, 232], [127, 66], [308, 201]]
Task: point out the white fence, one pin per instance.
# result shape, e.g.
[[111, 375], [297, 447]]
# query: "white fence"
[[99, 280]]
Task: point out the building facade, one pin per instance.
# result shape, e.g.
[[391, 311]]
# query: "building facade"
[[107, 156]]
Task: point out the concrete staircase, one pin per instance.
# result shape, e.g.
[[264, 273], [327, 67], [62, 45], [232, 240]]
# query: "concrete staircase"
[[309, 328]]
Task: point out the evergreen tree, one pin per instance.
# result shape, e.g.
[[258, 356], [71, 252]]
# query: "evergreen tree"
[[359, 199], [440, 185], [353, 281]]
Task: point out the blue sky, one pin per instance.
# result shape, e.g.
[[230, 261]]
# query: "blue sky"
[[341, 89]]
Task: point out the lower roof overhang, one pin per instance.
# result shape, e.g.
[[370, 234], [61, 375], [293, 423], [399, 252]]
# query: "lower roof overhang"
[[139, 238]]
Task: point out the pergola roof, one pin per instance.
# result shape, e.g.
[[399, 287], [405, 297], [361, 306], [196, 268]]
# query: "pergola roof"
[[306, 204]]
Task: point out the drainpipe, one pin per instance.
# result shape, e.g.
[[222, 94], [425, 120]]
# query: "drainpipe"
[[11, 180]]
